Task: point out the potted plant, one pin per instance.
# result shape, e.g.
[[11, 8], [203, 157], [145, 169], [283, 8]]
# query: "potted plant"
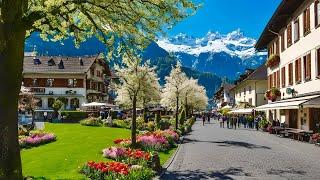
[[273, 61], [272, 94]]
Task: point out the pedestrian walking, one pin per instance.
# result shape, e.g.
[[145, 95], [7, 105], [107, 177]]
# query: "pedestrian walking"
[[235, 120], [203, 119], [208, 118], [220, 119]]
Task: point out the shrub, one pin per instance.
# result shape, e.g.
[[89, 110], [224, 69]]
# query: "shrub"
[[315, 138], [164, 124], [182, 130], [73, 116], [263, 123], [157, 118], [91, 122], [182, 117], [141, 125], [121, 124], [150, 126]]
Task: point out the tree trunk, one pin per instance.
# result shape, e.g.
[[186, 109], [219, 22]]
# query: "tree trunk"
[[177, 111], [134, 122], [12, 38]]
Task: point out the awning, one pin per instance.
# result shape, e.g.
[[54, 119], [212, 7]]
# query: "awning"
[[242, 111], [294, 103]]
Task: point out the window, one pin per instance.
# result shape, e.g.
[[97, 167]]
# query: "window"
[[250, 101], [317, 13], [244, 91], [298, 71], [277, 46], [250, 90], [270, 81], [318, 62], [72, 82], [50, 82], [283, 47], [92, 72], [275, 79], [307, 67], [278, 79], [283, 77], [289, 35], [270, 50], [296, 30], [34, 82], [290, 74], [306, 21]]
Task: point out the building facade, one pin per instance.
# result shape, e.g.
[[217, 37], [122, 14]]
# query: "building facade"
[[223, 97], [292, 38], [250, 88], [74, 81]]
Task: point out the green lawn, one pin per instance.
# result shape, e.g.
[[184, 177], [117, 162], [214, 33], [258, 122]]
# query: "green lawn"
[[75, 145]]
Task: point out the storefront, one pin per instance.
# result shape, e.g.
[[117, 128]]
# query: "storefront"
[[299, 113]]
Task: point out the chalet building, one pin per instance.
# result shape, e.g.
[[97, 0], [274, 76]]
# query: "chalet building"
[[222, 97], [73, 80], [250, 87], [292, 38]]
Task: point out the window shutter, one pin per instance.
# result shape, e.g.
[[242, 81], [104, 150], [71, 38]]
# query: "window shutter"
[[290, 74], [318, 62], [269, 81], [299, 69], [289, 35], [316, 20], [278, 79], [283, 77], [309, 66]]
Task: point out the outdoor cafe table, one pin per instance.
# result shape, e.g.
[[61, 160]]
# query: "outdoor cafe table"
[[298, 134]]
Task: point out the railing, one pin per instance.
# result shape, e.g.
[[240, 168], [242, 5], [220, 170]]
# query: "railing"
[[38, 90]]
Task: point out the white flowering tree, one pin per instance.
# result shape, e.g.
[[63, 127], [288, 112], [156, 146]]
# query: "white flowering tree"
[[127, 23], [194, 96], [173, 90], [139, 83]]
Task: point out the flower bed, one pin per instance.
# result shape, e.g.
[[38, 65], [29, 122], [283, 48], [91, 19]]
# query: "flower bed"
[[153, 141], [127, 155], [36, 139], [315, 138], [115, 170]]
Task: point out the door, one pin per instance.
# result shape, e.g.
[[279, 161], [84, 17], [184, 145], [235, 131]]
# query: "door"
[[293, 118]]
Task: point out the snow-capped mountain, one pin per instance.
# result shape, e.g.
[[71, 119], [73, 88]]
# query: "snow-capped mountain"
[[233, 50]]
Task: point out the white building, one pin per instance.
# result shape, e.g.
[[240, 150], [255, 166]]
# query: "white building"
[[292, 38], [223, 97], [250, 88]]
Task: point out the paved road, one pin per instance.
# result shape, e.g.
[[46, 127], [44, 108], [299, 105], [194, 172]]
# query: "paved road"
[[210, 152]]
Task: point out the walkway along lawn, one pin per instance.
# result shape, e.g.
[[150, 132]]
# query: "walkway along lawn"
[[75, 145]]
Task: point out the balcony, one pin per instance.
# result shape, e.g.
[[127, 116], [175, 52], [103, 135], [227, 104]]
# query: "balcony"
[[273, 61]]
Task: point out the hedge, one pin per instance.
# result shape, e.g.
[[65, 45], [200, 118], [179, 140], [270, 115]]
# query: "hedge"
[[73, 116]]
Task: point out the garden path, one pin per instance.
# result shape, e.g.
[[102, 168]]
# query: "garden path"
[[210, 152]]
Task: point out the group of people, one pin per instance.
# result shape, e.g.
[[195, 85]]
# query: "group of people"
[[206, 117], [234, 121]]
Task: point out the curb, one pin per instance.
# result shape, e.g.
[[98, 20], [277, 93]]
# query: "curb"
[[169, 161]]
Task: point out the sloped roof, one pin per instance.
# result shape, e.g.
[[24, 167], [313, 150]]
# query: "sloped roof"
[[278, 21], [259, 74], [71, 64]]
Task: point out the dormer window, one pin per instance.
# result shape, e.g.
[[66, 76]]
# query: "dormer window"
[[81, 61], [51, 62], [50, 82], [34, 82], [36, 61], [72, 82], [61, 65]]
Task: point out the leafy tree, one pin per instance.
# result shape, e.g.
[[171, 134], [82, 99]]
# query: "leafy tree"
[[136, 80], [57, 105], [123, 23]]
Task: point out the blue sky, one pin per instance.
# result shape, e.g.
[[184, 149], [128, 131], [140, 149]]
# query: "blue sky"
[[224, 16]]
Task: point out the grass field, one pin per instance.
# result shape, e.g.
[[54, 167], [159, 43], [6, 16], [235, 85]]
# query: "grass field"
[[75, 145]]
